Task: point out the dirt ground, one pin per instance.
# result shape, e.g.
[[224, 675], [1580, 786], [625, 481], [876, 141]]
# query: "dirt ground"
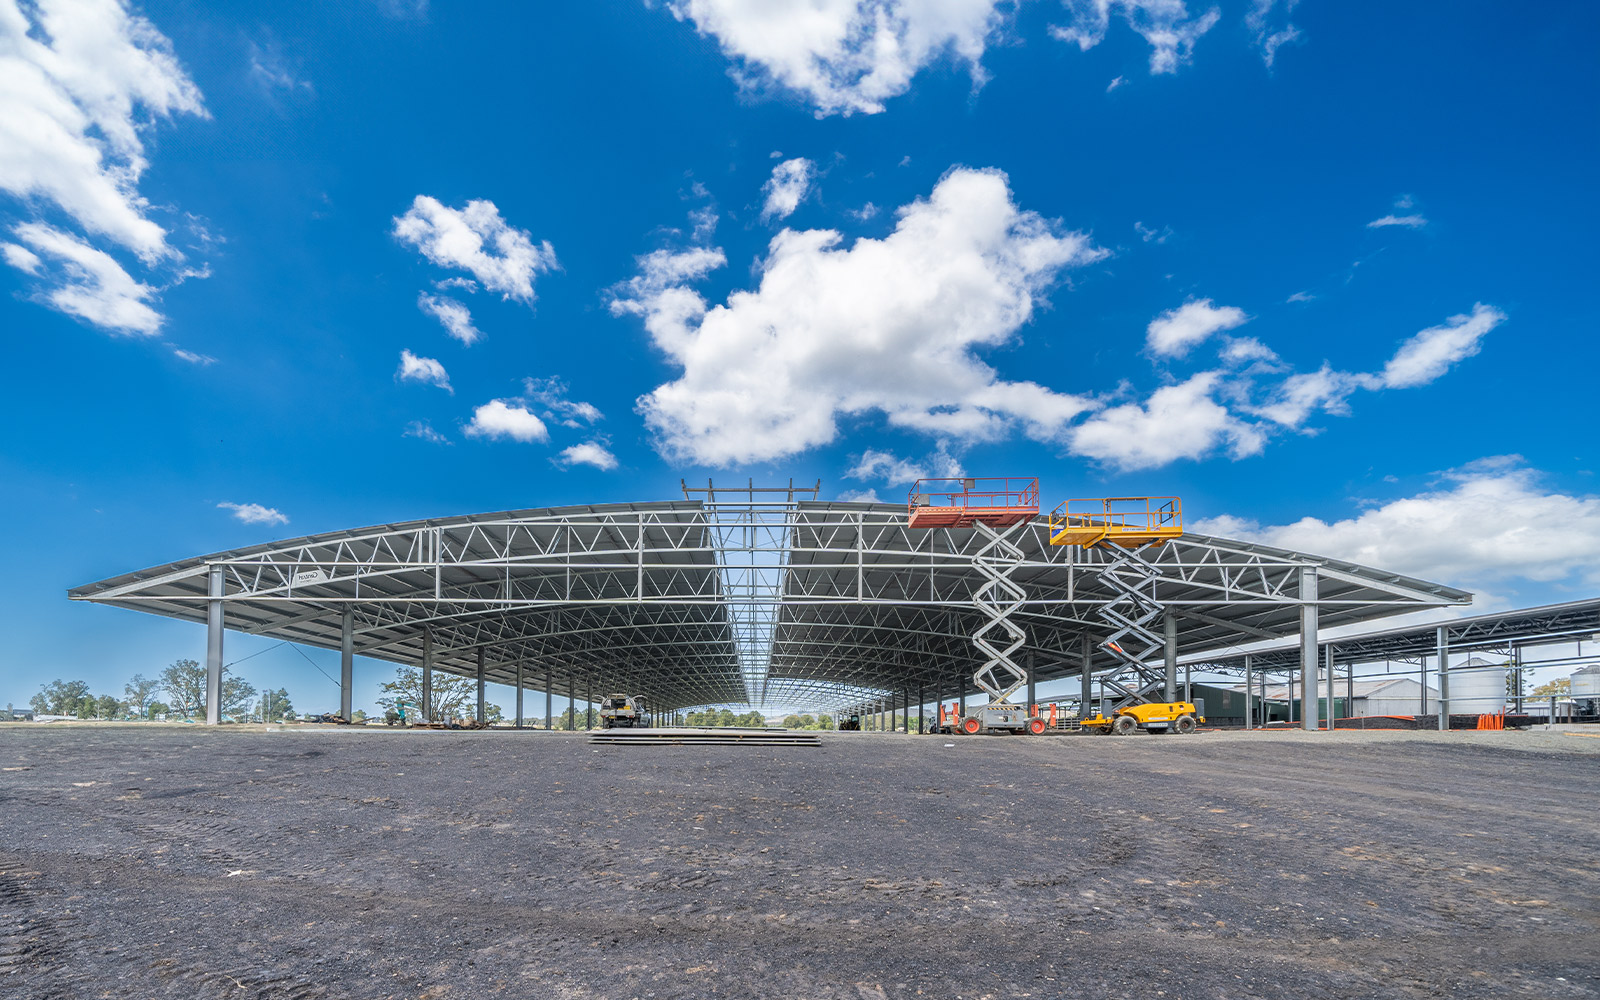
[[245, 863]]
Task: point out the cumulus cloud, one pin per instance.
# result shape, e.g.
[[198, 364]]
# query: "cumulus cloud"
[[1297, 397], [786, 187], [860, 496], [1176, 422], [1175, 331], [477, 240], [1431, 352], [426, 370], [1165, 24], [1487, 523], [1271, 33], [589, 453], [88, 283], [502, 418], [254, 513], [80, 80], [844, 56], [888, 325], [883, 465], [452, 315]]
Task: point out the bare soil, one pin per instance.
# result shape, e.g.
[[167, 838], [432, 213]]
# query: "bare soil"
[[162, 861]]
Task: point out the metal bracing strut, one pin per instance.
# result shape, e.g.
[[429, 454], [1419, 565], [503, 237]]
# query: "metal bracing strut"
[[998, 598], [1130, 614]]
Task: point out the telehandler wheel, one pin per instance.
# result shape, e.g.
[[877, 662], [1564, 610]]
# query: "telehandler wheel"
[[1185, 725], [1124, 725], [1036, 727], [971, 725]]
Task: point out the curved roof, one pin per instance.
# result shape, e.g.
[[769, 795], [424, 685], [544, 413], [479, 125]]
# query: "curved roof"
[[790, 603]]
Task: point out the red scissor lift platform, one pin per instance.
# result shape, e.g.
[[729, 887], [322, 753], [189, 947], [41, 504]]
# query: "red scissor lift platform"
[[960, 503]]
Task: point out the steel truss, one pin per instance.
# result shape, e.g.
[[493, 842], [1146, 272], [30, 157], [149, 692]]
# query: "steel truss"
[[776, 600]]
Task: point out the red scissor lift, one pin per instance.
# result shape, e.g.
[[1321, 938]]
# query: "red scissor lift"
[[998, 510]]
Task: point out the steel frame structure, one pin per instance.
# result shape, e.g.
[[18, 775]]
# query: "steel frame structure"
[[749, 596]]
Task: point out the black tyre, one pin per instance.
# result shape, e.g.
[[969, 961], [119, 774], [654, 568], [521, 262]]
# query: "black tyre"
[[1185, 725], [1124, 725]]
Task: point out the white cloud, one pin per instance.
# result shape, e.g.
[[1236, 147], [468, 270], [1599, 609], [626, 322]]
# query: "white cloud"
[[1116, 81], [1431, 352], [885, 466], [477, 240], [203, 360], [1149, 235], [860, 496], [589, 453], [1165, 24], [21, 258], [1175, 331], [844, 55], [1269, 38], [79, 81], [91, 285], [1302, 394], [886, 325], [865, 212], [1302, 297], [1408, 221], [1490, 522], [1413, 221], [500, 418], [1176, 422], [551, 394], [254, 513], [415, 369], [270, 70], [786, 187], [424, 431], [452, 315]]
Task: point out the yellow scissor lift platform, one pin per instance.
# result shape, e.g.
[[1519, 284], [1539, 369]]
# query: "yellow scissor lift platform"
[[1125, 521]]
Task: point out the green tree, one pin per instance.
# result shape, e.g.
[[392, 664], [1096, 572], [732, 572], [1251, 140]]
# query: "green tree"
[[451, 692], [139, 690], [825, 721], [727, 718], [238, 696], [1560, 688], [185, 685], [110, 708], [40, 704], [88, 707], [792, 722], [359, 715], [155, 708], [62, 697], [807, 722], [276, 706]]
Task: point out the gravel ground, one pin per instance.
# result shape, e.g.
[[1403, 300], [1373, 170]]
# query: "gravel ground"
[[248, 863]]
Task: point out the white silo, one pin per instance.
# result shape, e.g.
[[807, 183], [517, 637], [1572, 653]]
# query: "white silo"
[[1477, 687], [1586, 690]]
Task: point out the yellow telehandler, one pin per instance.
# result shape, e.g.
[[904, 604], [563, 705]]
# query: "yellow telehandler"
[[1155, 718]]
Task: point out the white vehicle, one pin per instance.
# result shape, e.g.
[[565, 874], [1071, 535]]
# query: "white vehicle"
[[620, 710]]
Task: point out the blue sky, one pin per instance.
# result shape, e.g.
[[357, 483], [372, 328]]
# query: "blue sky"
[[1325, 270]]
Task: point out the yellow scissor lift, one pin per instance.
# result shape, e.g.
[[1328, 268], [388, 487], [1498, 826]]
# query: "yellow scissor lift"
[[1124, 528]]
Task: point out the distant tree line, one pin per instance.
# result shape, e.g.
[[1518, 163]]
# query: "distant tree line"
[[823, 721], [725, 717], [183, 684]]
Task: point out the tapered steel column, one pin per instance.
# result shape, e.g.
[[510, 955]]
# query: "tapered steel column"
[[347, 661], [1169, 628], [480, 684], [1443, 643], [1328, 664], [519, 694], [549, 685], [427, 675], [1033, 687], [1308, 648], [1086, 678], [572, 702], [922, 703], [215, 590], [1249, 713], [588, 701]]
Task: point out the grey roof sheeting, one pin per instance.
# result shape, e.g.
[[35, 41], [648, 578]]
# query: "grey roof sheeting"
[[805, 603]]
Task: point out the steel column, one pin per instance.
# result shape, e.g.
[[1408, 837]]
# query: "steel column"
[[215, 591], [347, 658], [1308, 648], [1443, 642], [1328, 657], [480, 684], [1169, 631], [588, 701], [1249, 713], [922, 703], [1033, 687], [519, 694], [572, 702], [427, 675], [549, 686], [1086, 678]]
